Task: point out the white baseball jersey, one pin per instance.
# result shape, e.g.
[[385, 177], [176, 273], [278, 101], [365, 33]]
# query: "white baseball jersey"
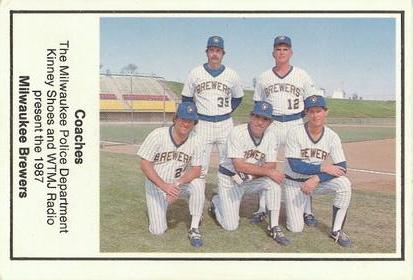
[[286, 94], [212, 95], [241, 144], [170, 162], [169, 159], [300, 145]]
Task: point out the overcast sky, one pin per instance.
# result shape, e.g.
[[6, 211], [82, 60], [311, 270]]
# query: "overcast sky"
[[357, 55]]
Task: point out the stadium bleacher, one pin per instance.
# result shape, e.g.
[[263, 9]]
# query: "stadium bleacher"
[[133, 92], [104, 96], [144, 97]]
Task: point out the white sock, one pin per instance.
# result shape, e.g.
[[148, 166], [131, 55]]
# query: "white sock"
[[195, 221], [262, 202], [307, 207], [338, 221], [274, 215]]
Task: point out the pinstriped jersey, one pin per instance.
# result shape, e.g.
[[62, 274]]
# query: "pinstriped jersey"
[[169, 159], [301, 146], [241, 144], [286, 94], [212, 95]]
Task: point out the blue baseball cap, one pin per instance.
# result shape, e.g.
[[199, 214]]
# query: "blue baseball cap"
[[282, 40], [187, 111], [215, 41], [315, 101], [263, 109]]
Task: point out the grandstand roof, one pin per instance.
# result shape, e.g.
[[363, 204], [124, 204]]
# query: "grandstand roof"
[[131, 84]]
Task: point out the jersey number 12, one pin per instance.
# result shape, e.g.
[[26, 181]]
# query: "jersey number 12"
[[293, 103]]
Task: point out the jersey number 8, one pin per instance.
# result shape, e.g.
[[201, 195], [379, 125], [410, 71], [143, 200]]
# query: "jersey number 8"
[[178, 172]]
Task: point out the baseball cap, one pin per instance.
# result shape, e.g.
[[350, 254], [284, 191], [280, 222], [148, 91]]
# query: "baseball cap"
[[282, 40], [187, 111], [263, 109], [215, 41], [314, 101]]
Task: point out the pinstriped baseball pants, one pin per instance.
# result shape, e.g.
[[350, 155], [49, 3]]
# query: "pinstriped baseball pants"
[[213, 133], [228, 201], [295, 200], [157, 204]]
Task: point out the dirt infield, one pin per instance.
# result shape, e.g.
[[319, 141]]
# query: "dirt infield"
[[371, 163]]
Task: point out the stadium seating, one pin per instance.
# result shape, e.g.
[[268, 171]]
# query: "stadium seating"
[[144, 97], [150, 106], [125, 93], [112, 105], [104, 96]]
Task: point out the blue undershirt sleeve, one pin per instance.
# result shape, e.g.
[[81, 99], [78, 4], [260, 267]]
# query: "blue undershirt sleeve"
[[235, 102], [187, 99], [299, 166]]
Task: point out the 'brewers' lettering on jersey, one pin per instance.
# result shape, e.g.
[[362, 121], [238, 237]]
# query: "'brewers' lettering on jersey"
[[215, 85], [300, 145], [254, 154], [240, 144], [286, 94], [314, 153], [172, 155], [170, 160], [282, 87], [212, 95]]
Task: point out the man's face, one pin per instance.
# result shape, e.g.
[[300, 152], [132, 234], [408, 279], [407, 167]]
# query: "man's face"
[[183, 127], [258, 125], [282, 53], [215, 55], [316, 116]]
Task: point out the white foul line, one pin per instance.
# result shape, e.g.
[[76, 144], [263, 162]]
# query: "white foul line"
[[372, 171]]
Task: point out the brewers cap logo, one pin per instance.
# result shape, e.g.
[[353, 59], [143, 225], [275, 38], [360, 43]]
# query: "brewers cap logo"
[[313, 99], [281, 37], [264, 106]]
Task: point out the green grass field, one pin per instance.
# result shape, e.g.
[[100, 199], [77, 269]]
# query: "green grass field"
[[123, 221], [124, 226]]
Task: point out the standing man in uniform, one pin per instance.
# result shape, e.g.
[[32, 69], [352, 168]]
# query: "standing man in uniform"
[[171, 161], [308, 147], [250, 166], [217, 92], [285, 87]]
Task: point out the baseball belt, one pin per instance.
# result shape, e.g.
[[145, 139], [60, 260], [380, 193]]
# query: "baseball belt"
[[288, 118], [218, 118], [295, 179]]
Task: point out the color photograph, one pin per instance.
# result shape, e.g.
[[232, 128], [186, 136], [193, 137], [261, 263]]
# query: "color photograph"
[[266, 134]]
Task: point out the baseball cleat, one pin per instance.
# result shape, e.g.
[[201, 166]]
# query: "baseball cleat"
[[341, 237], [257, 217], [195, 237], [310, 220], [277, 234]]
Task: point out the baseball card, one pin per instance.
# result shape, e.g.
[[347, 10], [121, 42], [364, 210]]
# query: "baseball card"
[[207, 141]]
